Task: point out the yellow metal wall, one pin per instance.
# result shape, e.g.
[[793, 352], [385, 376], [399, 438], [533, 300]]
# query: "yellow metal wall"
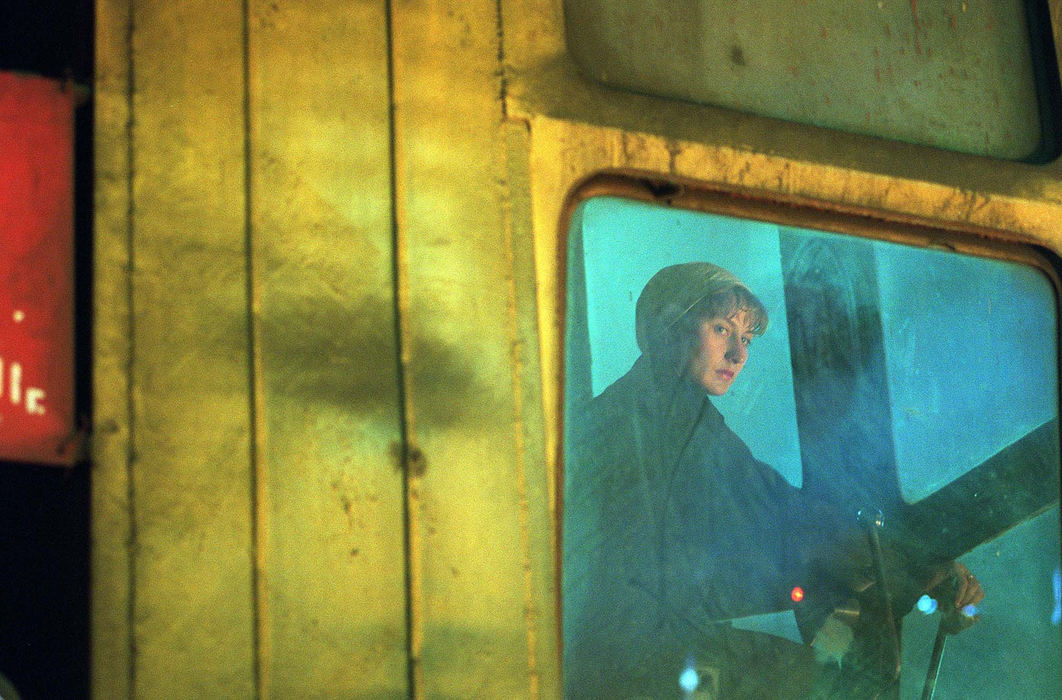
[[248, 507], [327, 362], [274, 181]]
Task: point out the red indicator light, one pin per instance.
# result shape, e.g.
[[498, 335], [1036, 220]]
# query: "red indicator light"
[[797, 594]]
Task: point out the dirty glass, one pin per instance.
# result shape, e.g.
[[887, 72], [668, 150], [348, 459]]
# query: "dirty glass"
[[899, 413], [974, 77]]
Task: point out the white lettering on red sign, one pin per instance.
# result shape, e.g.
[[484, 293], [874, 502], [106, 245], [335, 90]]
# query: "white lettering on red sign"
[[11, 380]]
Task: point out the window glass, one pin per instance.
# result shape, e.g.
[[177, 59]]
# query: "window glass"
[[976, 77], [725, 482], [988, 375], [619, 258]]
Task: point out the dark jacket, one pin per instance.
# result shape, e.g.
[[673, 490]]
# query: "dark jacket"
[[670, 526]]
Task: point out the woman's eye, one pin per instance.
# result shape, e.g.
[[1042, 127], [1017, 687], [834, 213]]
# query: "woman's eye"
[[721, 329], [746, 341]]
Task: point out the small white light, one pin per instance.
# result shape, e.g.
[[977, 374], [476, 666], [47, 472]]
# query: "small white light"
[[689, 680], [19, 315]]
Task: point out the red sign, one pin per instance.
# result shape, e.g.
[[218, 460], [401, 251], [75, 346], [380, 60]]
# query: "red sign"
[[36, 270]]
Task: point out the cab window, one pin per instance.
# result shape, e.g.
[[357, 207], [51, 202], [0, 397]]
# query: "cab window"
[[890, 377]]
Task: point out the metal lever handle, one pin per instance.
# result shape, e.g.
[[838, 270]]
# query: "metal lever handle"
[[951, 622], [934, 661], [873, 524]]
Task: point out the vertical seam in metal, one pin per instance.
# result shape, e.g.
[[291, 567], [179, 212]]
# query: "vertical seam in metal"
[[409, 530], [130, 461], [517, 364], [254, 377], [503, 78]]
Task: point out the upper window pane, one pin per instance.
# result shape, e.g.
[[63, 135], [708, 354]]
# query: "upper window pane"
[[956, 74]]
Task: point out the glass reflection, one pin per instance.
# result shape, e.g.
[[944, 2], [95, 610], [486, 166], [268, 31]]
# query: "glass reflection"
[[680, 542]]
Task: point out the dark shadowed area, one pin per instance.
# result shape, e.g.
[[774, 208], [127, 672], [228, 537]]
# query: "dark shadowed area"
[[44, 511]]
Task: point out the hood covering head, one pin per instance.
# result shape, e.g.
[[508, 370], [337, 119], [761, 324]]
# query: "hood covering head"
[[676, 290]]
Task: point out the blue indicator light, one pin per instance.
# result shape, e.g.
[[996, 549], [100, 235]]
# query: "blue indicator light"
[[1056, 614], [927, 605]]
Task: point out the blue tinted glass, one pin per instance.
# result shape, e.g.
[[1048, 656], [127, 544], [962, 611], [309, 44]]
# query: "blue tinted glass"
[[1014, 650], [619, 258], [970, 347], [714, 475]]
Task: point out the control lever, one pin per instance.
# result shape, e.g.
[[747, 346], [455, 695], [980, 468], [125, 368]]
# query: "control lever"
[[952, 622], [872, 523]]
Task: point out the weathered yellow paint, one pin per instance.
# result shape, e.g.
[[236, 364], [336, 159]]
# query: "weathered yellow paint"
[[470, 507], [333, 616], [111, 441], [539, 537], [191, 494], [250, 509], [248, 514]]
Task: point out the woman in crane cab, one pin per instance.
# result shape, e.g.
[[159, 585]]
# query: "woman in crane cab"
[[673, 528]]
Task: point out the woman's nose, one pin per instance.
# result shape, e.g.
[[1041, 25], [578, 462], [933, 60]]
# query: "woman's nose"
[[737, 352]]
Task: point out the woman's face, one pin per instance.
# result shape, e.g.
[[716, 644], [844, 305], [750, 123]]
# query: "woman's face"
[[723, 349]]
